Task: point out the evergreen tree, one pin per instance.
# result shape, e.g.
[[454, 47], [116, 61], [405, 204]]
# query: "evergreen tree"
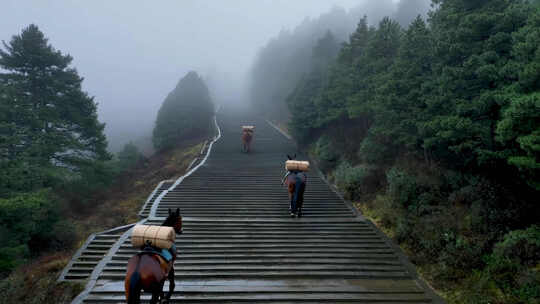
[[331, 106], [129, 156], [474, 43], [518, 130], [302, 100], [186, 112], [401, 96], [48, 122], [287, 58]]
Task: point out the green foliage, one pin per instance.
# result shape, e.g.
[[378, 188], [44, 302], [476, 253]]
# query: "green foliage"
[[523, 246], [186, 112], [129, 156], [451, 107], [49, 130], [373, 152], [519, 130], [302, 101], [511, 269], [356, 181], [50, 142], [286, 59], [79, 191], [326, 153], [402, 187], [28, 223], [52, 119]]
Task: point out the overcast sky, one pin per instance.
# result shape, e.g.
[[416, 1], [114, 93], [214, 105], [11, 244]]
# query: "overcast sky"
[[132, 53]]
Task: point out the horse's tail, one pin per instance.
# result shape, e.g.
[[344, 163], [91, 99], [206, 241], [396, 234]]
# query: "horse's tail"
[[134, 293]]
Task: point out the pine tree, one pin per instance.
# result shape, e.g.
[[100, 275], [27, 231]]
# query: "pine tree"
[[331, 105], [400, 96], [518, 130], [370, 68], [302, 100], [49, 121], [474, 43]]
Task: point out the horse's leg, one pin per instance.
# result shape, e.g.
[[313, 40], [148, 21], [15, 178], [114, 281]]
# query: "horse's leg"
[[155, 297], [171, 285], [301, 200], [290, 189], [161, 293]]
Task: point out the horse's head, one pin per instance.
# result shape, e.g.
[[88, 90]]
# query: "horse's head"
[[291, 158], [174, 220]]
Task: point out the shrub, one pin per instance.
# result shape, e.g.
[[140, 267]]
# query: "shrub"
[[511, 274], [355, 181], [128, 157], [373, 152], [326, 153], [27, 223], [402, 187], [523, 246]]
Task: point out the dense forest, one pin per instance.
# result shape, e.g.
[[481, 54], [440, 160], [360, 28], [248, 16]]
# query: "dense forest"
[[434, 129]]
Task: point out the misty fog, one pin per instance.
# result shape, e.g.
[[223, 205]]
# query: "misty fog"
[[132, 53]]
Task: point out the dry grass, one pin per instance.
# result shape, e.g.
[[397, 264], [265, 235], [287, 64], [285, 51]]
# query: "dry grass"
[[35, 283], [124, 199]]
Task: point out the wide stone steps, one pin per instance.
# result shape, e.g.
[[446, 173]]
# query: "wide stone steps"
[[145, 210], [81, 267], [240, 245], [285, 291]]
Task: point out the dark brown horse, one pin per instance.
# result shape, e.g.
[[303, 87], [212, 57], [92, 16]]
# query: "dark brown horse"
[[148, 270], [296, 185], [247, 136]]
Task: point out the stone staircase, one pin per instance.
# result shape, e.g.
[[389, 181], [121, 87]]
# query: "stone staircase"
[[86, 259], [240, 245], [164, 185]]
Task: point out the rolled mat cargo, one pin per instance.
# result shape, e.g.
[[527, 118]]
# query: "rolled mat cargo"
[[157, 236], [248, 128], [296, 165]]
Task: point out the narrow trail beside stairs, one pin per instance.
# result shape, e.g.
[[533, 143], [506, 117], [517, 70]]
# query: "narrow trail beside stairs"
[[239, 244]]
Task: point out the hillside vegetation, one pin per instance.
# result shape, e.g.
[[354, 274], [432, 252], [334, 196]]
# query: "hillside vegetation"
[[58, 183], [434, 129], [52, 148], [285, 59]]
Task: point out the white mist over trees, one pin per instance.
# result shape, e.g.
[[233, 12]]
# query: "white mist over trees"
[[286, 58]]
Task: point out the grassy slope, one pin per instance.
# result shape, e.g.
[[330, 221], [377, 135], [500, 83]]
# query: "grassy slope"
[[117, 206]]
